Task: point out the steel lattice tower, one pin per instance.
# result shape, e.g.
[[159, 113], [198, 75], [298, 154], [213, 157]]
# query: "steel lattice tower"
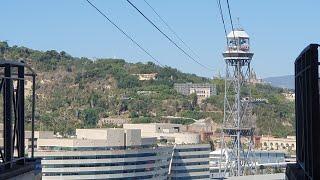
[[238, 123]]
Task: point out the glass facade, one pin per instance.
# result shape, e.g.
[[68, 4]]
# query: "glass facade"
[[192, 156], [103, 148], [100, 172], [193, 149], [142, 163], [191, 162], [139, 163], [99, 156], [99, 164], [191, 170]]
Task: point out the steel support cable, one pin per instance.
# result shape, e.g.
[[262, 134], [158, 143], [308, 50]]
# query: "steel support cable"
[[230, 17], [174, 43], [124, 33], [173, 31], [223, 21]]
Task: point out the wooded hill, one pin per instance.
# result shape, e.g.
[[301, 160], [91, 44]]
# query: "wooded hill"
[[76, 92]]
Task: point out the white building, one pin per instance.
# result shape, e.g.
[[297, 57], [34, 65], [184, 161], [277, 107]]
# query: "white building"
[[202, 91], [104, 154], [190, 159], [273, 143], [289, 96], [170, 133], [147, 77], [139, 151]]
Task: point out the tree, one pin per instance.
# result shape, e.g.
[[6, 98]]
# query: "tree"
[[194, 100], [90, 117], [89, 91], [3, 47], [128, 82]]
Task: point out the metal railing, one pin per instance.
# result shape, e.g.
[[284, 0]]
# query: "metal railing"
[[13, 73], [307, 112]]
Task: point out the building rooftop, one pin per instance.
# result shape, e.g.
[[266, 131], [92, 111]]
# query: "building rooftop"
[[279, 176], [165, 131], [238, 33], [104, 137]]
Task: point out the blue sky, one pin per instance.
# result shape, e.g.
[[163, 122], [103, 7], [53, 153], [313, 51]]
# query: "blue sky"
[[279, 30]]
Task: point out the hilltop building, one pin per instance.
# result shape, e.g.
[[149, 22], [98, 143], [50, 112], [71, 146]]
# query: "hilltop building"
[[147, 77], [272, 143], [289, 95], [202, 91], [254, 78]]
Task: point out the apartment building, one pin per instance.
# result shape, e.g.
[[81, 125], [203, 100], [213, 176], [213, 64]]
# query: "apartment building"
[[273, 143], [103, 154], [190, 158], [202, 91], [190, 161], [146, 77], [138, 151]]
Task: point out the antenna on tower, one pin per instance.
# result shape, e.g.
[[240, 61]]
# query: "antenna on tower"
[[238, 23]]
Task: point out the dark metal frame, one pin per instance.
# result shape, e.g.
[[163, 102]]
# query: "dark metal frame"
[[14, 113], [308, 112]]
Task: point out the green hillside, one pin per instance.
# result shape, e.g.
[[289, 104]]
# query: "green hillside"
[[76, 92]]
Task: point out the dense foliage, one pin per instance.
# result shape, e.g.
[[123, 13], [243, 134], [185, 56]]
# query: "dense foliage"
[[78, 92]]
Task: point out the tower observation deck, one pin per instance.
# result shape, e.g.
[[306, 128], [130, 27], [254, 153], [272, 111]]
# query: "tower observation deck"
[[238, 49], [238, 123]]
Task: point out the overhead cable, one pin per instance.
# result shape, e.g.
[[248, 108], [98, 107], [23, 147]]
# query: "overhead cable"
[[174, 43], [230, 16], [222, 19], [124, 33], [172, 31]]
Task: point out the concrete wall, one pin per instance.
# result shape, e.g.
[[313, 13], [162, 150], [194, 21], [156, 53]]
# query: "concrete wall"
[[133, 137], [71, 143], [148, 140], [111, 137], [145, 128], [168, 128], [91, 133], [40, 134], [151, 129], [165, 131], [114, 137], [187, 138]]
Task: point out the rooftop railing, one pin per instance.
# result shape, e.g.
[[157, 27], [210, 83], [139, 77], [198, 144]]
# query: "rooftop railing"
[[307, 115]]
